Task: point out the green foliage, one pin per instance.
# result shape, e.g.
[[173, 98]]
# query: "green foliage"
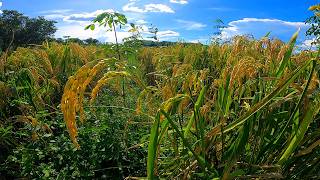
[[108, 150], [314, 21], [108, 19], [19, 30]]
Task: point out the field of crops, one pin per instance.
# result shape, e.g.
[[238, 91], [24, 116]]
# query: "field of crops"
[[248, 109], [239, 109]]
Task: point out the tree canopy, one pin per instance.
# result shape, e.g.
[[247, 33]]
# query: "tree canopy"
[[314, 21], [17, 29]]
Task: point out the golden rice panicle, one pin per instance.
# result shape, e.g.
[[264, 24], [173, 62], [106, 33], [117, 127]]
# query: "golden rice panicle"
[[245, 68], [188, 82], [145, 93], [139, 102], [282, 52], [97, 88], [104, 80], [167, 91], [44, 60], [197, 81], [274, 48], [168, 104], [34, 136], [181, 69], [203, 74], [35, 124], [68, 110], [315, 82], [302, 57], [151, 105], [71, 102], [86, 81], [183, 105], [206, 109], [27, 119], [79, 51]]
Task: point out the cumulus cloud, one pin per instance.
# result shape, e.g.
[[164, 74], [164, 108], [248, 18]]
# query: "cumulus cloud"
[[179, 1], [307, 44], [168, 33], [191, 25], [77, 31], [259, 27], [56, 11], [75, 17], [73, 24], [141, 21], [164, 35], [132, 7]]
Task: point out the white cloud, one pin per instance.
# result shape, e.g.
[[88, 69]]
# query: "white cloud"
[[158, 8], [54, 16], [307, 44], [86, 15], [195, 41], [77, 31], [161, 35], [0, 7], [259, 27], [191, 25], [131, 7], [168, 33], [141, 21], [73, 25], [56, 11], [179, 1], [81, 18]]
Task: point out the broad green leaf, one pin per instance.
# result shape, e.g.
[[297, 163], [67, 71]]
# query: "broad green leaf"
[[152, 148], [300, 133], [281, 87], [287, 55]]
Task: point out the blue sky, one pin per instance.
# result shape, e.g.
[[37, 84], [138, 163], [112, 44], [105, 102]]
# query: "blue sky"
[[188, 20]]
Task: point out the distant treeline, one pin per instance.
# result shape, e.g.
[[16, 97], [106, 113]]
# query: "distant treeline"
[[91, 41]]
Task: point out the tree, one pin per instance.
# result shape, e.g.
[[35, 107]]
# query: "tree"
[[75, 40], [91, 41], [314, 21], [219, 25], [154, 31], [110, 20], [19, 30]]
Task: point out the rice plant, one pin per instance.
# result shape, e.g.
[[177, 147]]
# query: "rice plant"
[[245, 109], [242, 109]]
